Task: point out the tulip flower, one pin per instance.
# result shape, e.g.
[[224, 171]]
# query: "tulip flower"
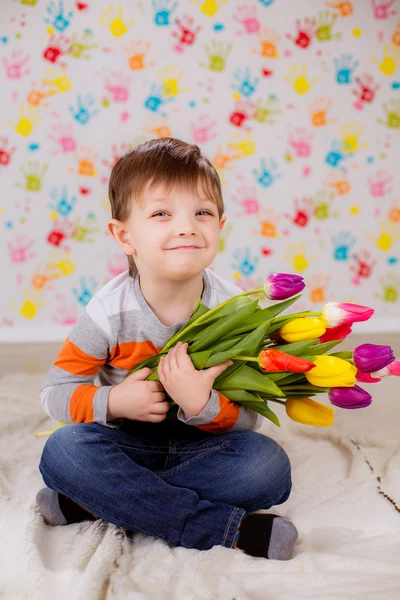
[[354, 397], [338, 313], [372, 357], [331, 371], [336, 333], [275, 361], [303, 328], [392, 369], [309, 412], [280, 286]]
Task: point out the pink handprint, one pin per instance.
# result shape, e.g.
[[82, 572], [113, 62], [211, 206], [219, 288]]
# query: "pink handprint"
[[247, 198], [247, 16], [20, 251], [378, 184], [118, 86], [15, 68], [300, 141], [63, 136], [117, 265], [381, 9], [65, 315], [201, 130]]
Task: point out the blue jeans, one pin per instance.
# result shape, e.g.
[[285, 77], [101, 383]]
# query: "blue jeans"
[[170, 480]]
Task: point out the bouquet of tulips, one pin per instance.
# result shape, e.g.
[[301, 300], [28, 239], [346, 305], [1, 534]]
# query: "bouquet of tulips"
[[284, 359]]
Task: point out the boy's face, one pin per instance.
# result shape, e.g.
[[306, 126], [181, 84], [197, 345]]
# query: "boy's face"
[[161, 224]]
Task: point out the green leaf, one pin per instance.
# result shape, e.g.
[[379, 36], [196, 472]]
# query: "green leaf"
[[252, 401], [251, 343], [265, 314], [248, 379], [227, 324], [345, 355], [209, 316], [285, 378], [296, 348], [324, 347]]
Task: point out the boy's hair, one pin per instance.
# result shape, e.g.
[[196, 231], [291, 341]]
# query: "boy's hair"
[[167, 161]]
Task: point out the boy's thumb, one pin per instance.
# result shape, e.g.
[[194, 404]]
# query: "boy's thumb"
[[214, 372], [142, 373]]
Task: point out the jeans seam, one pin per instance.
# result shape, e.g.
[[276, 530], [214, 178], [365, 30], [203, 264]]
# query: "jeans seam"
[[190, 461]]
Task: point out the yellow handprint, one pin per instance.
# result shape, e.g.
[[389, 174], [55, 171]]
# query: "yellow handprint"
[[244, 144], [28, 120], [210, 7], [298, 79], [32, 302], [114, 21], [171, 82], [59, 82], [63, 267], [296, 255], [390, 61], [350, 133], [389, 234]]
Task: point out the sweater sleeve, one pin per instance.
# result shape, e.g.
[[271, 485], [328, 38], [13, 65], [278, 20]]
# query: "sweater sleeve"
[[221, 414], [68, 393]]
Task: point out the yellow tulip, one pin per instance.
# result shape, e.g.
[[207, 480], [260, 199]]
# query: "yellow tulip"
[[331, 371], [309, 412], [303, 328]]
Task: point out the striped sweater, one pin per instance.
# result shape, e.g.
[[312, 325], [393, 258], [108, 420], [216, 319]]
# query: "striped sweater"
[[116, 332]]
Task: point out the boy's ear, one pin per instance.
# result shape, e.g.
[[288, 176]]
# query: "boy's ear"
[[222, 222], [119, 232]]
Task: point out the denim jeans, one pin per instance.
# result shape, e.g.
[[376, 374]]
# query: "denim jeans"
[[170, 480]]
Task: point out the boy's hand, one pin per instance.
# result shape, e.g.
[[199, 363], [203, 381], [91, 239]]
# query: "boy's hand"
[[187, 386]]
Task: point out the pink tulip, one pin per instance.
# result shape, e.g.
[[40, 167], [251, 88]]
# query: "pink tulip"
[[338, 313], [336, 333]]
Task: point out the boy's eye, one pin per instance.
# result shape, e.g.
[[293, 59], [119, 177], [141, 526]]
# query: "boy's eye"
[[163, 212]]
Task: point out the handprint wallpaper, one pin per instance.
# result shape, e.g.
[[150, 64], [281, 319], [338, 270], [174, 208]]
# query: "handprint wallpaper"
[[297, 105]]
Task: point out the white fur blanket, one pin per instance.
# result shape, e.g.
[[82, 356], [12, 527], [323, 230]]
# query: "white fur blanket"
[[345, 503]]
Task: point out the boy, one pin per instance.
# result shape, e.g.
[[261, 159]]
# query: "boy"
[[206, 477]]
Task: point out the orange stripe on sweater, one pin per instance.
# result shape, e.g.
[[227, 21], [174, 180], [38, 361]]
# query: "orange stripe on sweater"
[[81, 403], [129, 354], [225, 419], [72, 359]]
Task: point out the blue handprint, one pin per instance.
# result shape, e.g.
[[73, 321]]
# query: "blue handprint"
[[266, 2], [245, 266], [61, 203], [342, 244], [335, 155], [82, 113], [266, 175], [57, 17], [245, 87], [156, 99], [85, 294], [345, 67], [162, 13]]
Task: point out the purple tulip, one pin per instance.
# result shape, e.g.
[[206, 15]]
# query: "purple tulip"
[[281, 286], [369, 358], [354, 397]]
